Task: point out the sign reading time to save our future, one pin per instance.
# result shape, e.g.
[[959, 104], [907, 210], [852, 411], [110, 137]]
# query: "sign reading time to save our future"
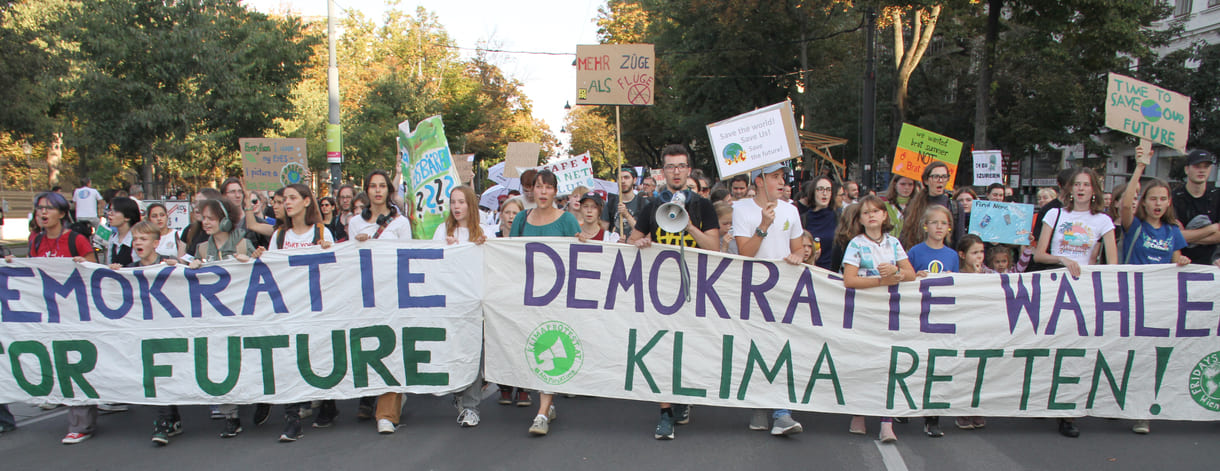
[[1147, 111], [918, 147], [615, 74], [273, 163]]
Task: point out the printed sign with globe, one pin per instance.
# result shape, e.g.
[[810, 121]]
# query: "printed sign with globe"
[[1147, 111]]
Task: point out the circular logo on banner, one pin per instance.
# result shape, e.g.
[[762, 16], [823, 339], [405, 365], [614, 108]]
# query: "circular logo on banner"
[[554, 352], [1151, 110], [1204, 383], [292, 173]]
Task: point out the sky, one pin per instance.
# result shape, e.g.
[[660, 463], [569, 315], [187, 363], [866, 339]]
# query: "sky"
[[537, 26]]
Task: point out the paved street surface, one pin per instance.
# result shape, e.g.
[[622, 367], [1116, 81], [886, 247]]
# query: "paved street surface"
[[599, 434]]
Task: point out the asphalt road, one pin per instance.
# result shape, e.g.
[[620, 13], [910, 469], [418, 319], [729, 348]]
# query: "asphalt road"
[[599, 434]]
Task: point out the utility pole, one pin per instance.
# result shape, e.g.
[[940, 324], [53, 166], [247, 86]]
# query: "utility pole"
[[334, 142], [868, 106]]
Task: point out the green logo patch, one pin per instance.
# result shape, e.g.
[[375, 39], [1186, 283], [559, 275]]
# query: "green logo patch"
[[1205, 382], [554, 352]]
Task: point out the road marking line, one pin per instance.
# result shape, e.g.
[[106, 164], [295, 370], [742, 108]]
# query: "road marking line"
[[891, 457], [40, 418]]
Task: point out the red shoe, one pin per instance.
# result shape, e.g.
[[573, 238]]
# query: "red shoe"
[[523, 398], [506, 396], [73, 438]]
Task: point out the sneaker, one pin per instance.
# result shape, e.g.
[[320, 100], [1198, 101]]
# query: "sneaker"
[[857, 426], [325, 419], [1141, 427], [48, 406], [551, 415], [665, 428], [760, 420], [468, 418], [385, 427], [160, 434], [931, 427], [506, 397], [261, 413], [523, 398], [681, 414], [73, 438], [232, 428], [978, 421], [1068, 428], [887, 433], [216, 414], [964, 423], [540, 426], [108, 408], [292, 430], [786, 425]]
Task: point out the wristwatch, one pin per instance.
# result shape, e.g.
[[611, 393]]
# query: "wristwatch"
[[760, 233]]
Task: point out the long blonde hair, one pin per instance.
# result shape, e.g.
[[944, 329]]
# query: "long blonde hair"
[[471, 221]]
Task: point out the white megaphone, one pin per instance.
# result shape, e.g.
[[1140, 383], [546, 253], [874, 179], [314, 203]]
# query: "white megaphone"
[[671, 216]]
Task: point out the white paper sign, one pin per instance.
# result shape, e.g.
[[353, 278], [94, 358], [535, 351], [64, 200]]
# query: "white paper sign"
[[754, 140], [988, 167], [571, 173]]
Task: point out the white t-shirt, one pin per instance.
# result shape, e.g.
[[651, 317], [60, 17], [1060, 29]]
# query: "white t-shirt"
[[399, 228], [747, 215], [867, 255], [293, 240], [86, 199], [462, 233], [1077, 234]]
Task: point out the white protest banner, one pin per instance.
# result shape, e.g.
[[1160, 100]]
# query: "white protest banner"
[[571, 173], [615, 74], [754, 140], [988, 167], [1147, 111], [359, 320], [610, 320]]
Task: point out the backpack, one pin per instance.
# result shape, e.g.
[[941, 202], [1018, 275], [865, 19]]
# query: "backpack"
[[82, 228], [318, 237]]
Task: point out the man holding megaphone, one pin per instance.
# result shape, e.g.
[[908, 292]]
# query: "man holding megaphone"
[[677, 217], [769, 228]]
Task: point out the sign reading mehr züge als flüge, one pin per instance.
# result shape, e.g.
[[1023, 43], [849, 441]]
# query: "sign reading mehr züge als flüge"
[[615, 74]]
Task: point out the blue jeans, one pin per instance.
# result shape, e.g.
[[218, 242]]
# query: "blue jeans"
[[7, 422]]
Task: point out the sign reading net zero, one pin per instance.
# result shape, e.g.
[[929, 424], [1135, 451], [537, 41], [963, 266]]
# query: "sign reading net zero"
[[918, 147], [615, 74], [273, 163], [1147, 111]]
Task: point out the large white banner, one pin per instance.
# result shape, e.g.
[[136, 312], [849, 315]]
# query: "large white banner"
[[614, 321], [358, 320]]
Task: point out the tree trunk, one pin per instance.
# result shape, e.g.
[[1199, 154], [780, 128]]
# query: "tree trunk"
[[982, 93], [907, 59]]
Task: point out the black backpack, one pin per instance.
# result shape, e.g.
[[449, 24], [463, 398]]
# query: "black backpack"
[[71, 246]]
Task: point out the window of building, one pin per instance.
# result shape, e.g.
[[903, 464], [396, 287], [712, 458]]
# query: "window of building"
[[1183, 7]]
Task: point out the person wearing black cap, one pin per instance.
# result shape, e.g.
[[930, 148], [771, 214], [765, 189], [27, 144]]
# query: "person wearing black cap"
[[1197, 206], [591, 209]]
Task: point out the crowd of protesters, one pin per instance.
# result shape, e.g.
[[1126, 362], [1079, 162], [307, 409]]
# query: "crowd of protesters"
[[914, 228]]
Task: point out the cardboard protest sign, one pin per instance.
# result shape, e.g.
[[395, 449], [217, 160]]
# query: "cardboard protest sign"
[[571, 173], [429, 173], [988, 167], [615, 74], [465, 167], [917, 147], [1147, 111], [273, 163], [520, 155], [755, 139], [1001, 223]]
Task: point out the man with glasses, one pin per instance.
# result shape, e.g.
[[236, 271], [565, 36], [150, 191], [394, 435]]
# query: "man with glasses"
[[648, 186], [703, 231]]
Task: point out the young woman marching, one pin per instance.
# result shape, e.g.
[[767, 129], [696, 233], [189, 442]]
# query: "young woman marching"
[[379, 220], [545, 221], [591, 206], [874, 258], [461, 226], [1073, 236], [330, 218], [124, 213], [54, 239], [167, 245], [1152, 233], [303, 228]]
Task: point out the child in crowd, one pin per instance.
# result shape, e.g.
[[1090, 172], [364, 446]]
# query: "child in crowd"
[[932, 256], [970, 251], [874, 258], [1152, 233]]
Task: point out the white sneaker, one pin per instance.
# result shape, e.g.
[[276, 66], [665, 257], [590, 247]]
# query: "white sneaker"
[[551, 415], [468, 418], [540, 426], [384, 426], [109, 408]]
